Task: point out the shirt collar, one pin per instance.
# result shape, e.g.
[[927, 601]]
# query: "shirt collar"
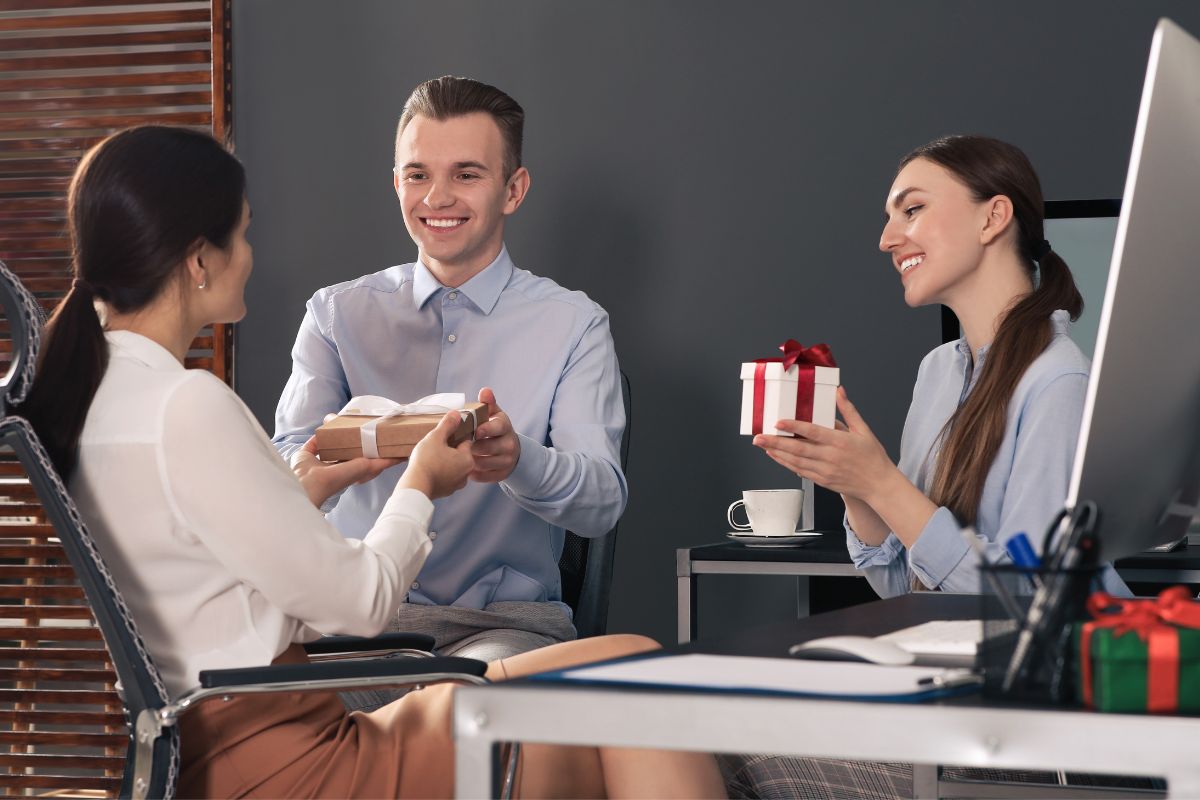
[[140, 348], [483, 290], [1060, 320]]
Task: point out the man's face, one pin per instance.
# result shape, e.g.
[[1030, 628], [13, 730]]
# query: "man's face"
[[452, 189]]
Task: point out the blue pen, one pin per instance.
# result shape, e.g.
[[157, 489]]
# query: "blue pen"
[[1022, 554]]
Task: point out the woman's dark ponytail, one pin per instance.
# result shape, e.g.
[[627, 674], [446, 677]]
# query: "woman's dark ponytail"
[[138, 202], [73, 354]]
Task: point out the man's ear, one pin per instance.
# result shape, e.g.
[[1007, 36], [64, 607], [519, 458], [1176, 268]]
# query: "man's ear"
[[515, 191], [998, 220], [396, 182]]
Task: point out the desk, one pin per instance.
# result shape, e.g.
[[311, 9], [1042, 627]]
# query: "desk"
[[966, 731], [827, 556]]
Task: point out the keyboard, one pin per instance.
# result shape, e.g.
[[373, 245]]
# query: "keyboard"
[[940, 637]]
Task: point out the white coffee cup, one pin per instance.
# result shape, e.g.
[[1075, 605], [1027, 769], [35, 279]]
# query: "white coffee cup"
[[771, 512]]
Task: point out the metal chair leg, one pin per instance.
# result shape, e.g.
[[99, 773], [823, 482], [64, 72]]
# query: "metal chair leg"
[[510, 771]]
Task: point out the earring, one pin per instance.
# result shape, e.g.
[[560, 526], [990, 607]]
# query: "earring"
[[204, 283]]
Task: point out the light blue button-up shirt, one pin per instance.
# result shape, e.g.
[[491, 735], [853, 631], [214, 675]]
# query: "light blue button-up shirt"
[[1026, 486], [548, 354]]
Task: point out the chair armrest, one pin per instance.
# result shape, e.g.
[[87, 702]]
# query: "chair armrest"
[[361, 644], [448, 666]]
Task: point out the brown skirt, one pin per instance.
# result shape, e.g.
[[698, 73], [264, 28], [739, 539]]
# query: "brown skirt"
[[307, 745]]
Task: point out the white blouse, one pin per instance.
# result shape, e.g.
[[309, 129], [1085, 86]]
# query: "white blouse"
[[215, 546]]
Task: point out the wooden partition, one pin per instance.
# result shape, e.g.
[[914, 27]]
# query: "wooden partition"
[[71, 72]]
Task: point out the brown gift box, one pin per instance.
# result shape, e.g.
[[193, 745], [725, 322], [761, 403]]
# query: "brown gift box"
[[340, 439]]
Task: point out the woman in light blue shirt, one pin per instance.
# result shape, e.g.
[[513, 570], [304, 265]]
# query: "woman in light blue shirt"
[[991, 433]]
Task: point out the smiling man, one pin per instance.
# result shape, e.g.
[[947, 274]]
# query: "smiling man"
[[463, 318]]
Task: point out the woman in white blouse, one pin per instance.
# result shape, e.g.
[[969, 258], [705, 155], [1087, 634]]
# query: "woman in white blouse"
[[219, 547]]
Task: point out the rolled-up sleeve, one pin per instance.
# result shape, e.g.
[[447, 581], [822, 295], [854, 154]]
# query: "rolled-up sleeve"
[[884, 566]]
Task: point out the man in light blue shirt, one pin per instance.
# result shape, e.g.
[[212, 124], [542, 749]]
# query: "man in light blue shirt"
[[464, 318]]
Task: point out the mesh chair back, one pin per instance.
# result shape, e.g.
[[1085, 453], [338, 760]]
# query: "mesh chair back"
[[586, 564], [141, 685]]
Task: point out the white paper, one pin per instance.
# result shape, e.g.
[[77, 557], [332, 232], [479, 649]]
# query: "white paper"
[[942, 637], [830, 678]]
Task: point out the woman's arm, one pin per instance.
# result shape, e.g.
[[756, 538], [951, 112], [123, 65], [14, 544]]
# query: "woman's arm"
[[230, 489], [870, 529]]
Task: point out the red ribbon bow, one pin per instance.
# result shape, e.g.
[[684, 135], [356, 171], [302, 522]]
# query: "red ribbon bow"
[[794, 353], [1156, 623]]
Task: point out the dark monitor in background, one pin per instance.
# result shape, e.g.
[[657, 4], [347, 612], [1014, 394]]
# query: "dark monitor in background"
[[1082, 232]]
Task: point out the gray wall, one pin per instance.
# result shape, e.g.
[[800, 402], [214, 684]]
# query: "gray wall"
[[712, 173]]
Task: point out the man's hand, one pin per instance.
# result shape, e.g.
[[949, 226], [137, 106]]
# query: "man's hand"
[[496, 448], [323, 480]]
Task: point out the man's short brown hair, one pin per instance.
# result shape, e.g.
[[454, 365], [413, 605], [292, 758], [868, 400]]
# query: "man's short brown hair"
[[446, 97]]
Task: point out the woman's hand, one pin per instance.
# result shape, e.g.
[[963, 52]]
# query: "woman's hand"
[[849, 460], [323, 480], [436, 468]]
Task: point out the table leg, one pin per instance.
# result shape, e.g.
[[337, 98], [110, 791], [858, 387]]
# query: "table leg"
[[685, 595], [474, 756], [925, 781], [687, 608], [803, 595]]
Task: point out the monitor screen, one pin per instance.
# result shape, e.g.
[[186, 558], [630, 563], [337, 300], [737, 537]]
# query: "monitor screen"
[[1083, 232]]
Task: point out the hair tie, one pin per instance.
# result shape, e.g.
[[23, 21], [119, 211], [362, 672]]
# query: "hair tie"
[[79, 284], [1040, 250]]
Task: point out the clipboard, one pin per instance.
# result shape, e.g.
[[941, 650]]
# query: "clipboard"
[[779, 677]]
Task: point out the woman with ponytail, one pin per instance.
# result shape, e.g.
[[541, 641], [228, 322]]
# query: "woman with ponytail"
[[991, 432], [221, 550]]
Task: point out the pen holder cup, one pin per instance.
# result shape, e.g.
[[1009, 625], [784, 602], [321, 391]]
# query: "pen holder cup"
[[1046, 671]]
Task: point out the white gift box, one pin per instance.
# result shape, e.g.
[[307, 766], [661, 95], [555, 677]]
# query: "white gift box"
[[779, 395]]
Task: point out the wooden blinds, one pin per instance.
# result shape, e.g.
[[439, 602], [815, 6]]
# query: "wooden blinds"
[[71, 72]]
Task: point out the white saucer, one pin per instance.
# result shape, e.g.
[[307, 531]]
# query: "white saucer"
[[751, 539]]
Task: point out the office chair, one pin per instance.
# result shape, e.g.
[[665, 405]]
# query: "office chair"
[[586, 565], [152, 756]]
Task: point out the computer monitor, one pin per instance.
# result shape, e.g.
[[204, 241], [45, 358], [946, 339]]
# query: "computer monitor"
[[1138, 456]]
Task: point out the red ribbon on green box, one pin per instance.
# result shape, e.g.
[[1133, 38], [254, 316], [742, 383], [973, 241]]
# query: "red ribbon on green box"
[[1156, 622], [794, 353]]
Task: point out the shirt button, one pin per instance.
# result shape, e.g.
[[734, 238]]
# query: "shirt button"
[[416, 585], [452, 338], [453, 295], [432, 535]]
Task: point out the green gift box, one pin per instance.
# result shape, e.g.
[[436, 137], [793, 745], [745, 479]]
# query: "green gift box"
[[1141, 655]]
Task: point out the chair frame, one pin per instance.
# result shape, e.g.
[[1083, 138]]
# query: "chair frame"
[[599, 553]]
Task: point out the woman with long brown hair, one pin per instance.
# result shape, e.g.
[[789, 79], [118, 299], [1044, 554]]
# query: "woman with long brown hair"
[[991, 432], [222, 553]]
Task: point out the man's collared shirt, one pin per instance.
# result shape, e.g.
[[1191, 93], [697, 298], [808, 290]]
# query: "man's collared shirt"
[[1025, 487], [546, 352]]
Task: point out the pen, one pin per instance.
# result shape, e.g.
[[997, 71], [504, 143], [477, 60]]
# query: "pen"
[[1077, 546], [951, 681], [1021, 552], [1002, 594]]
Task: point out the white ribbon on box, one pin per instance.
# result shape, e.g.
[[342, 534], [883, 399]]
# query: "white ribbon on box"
[[370, 405]]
